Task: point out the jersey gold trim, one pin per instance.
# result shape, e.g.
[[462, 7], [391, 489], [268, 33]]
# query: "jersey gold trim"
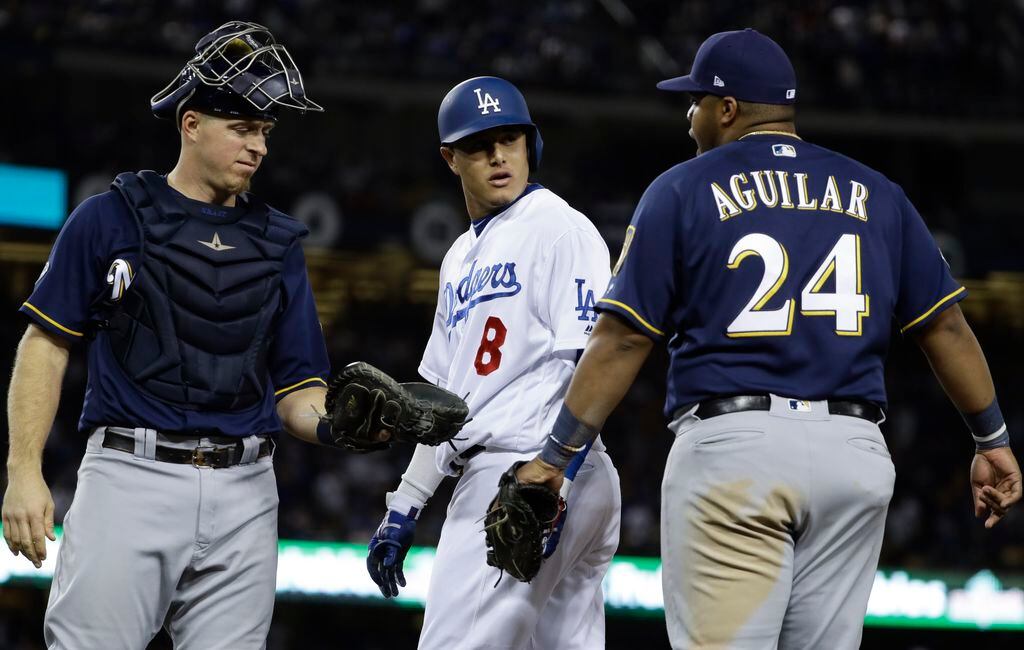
[[932, 310], [786, 133], [630, 231], [296, 385], [633, 313], [50, 320]]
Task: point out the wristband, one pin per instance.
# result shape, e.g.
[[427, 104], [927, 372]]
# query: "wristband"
[[323, 433], [568, 437], [403, 505], [988, 427]]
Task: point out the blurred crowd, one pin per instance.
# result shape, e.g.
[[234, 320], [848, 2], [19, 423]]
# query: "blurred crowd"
[[937, 57]]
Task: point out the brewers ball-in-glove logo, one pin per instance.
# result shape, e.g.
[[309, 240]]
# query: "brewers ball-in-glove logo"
[[119, 277]]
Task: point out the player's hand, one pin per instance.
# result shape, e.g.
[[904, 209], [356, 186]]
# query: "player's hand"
[[995, 484], [28, 515], [387, 550], [551, 541], [537, 471]]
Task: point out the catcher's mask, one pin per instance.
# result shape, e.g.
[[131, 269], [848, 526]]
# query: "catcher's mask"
[[239, 70]]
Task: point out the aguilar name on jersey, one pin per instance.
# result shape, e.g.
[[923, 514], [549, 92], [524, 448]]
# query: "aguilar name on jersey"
[[516, 302], [759, 301]]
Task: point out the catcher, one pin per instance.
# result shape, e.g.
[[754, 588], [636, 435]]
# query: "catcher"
[[192, 298]]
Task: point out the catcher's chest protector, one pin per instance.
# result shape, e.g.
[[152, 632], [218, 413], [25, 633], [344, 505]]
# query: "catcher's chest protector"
[[195, 326]]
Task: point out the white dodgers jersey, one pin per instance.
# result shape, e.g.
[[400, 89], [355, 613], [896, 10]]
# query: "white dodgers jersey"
[[516, 302]]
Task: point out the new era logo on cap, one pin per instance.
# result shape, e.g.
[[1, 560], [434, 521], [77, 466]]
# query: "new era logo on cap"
[[718, 81], [791, 93]]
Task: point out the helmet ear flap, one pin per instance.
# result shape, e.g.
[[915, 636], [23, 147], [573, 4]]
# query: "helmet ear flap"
[[535, 145]]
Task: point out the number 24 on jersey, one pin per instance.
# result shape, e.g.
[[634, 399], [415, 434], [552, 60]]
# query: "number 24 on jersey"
[[847, 304]]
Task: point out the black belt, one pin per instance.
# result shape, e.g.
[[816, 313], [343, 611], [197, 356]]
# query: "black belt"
[[723, 405], [458, 464], [213, 456]]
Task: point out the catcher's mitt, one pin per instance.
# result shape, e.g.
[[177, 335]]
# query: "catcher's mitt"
[[517, 522], [362, 400]]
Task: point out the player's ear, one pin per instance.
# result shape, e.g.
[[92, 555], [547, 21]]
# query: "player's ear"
[[190, 124], [729, 110], [449, 157]]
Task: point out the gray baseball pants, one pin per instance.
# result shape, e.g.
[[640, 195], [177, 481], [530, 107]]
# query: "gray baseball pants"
[[772, 525], [149, 544]]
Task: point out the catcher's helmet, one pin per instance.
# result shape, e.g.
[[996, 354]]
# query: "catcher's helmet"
[[238, 70], [483, 103]]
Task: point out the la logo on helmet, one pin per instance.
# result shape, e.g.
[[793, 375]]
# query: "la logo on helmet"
[[485, 102]]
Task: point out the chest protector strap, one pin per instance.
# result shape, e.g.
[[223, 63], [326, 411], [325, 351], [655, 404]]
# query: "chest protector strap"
[[195, 326]]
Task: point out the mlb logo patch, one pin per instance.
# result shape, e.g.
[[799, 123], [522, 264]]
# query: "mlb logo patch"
[[800, 405], [784, 150]]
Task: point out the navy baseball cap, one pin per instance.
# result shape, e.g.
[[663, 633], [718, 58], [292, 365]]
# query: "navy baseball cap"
[[744, 64]]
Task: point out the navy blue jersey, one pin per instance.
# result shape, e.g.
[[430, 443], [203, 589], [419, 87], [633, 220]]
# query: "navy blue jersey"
[[94, 258], [772, 265]]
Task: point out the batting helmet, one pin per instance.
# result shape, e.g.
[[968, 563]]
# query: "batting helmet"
[[238, 70], [483, 103]]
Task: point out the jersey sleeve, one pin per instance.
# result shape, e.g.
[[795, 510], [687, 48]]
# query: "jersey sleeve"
[[643, 282], [298, 355], [436, 357], [926, 287], [576, 274], [73, 275]]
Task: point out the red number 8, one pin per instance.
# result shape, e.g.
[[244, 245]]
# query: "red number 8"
[[490, 344]]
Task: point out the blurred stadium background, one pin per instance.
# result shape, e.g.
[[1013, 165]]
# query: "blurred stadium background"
[[927, 91]]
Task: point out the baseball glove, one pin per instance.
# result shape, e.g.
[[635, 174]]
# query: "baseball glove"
[[517, 522], [362, 400]]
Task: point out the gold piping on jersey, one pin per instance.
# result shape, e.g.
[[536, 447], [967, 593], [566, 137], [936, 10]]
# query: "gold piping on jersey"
[[932, 310], [50, 320], [785, 133], [633, 313], [630, 231], [296, 385]]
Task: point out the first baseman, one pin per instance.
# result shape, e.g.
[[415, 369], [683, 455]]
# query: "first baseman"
[[774, 269], [203, 343], [515, 306]]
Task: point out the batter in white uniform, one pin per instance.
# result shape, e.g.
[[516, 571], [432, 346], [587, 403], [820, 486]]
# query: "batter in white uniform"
[[515, 306]]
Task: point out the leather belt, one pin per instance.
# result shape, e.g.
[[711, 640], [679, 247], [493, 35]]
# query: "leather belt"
[[723, 405], [212, 456]]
